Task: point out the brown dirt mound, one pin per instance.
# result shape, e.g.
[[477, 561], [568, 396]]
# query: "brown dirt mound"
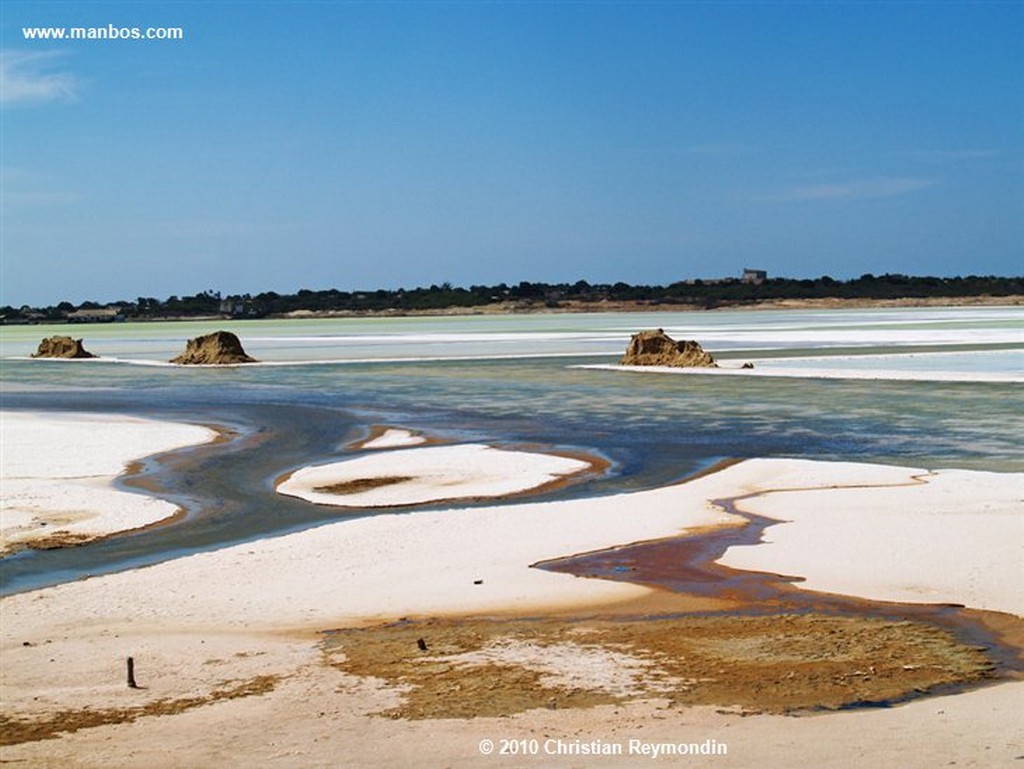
[[218, 348], [62, 347], [774, 663], [656, 348]]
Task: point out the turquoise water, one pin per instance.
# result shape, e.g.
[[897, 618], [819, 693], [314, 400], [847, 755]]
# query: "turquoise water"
[[515, 380]]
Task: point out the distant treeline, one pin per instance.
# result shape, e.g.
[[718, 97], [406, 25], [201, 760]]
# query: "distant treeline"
[[684, 294]]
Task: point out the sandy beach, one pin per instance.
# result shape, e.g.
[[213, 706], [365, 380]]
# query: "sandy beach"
[[234, 668]]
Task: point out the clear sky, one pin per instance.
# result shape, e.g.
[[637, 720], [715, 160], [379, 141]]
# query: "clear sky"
[[355, 145]]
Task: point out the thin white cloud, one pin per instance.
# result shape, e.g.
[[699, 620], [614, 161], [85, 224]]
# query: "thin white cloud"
[[26, 77], [857, 189]]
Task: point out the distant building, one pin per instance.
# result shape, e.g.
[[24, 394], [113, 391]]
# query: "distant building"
[[103, 315], [234, 307], [757, 277]]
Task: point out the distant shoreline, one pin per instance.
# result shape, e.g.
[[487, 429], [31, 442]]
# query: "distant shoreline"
[[581, 307]]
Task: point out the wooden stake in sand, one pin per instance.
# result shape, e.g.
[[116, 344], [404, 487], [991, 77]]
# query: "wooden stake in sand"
[[131, 674]]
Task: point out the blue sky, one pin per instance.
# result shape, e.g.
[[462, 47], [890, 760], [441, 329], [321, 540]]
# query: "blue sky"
[[281, 146]]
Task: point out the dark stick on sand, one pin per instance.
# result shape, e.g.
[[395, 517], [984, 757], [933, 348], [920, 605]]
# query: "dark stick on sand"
[[131, 674]]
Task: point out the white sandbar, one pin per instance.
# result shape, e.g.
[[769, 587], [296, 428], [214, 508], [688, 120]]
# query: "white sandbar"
[[394, 565], [57, 470], [394, 438], [892, 533], [776, 367], [431, 474]]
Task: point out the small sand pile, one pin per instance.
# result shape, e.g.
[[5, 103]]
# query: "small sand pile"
[[218, 349], [656, 348], [62, 347]]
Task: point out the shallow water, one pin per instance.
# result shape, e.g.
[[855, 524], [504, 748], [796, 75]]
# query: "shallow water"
[[765, 332], [513, 380]]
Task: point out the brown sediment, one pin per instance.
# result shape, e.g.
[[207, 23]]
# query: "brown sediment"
[[778, 663], [15, 730], [363, 484], [60, 540], [53, 541]]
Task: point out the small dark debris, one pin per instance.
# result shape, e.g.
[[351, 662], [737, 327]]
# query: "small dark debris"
[[421, 644]]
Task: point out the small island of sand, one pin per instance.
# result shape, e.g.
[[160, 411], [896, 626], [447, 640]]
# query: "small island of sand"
[[430, 474], [383, 437]]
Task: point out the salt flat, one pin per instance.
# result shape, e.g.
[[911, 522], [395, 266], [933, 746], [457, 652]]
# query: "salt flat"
[[57, 472], [250, 612]]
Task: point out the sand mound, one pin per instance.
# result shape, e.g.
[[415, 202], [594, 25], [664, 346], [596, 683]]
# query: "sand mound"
[[218, 348], [656, 348], [62, 347]]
